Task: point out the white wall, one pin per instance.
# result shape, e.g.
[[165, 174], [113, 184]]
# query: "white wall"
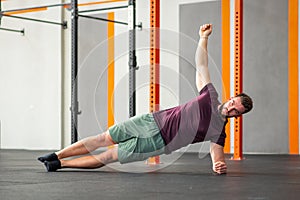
[[30, 79]]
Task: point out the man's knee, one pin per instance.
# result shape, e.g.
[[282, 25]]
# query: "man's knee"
[[105, 136], [114, 154], [108, 137], [109, 156]]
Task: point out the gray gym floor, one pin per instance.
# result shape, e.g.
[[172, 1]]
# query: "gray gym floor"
[[258, 177]]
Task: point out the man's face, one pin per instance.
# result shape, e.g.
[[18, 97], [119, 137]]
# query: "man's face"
[[232, 108]]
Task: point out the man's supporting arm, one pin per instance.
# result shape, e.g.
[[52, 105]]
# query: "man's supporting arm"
[[218, 158]]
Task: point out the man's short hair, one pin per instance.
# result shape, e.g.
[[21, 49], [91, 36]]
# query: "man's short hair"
[[246, 102]]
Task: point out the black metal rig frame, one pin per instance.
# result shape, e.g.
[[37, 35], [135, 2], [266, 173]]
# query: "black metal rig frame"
[[132, 58], [73, 6], [3, 13]]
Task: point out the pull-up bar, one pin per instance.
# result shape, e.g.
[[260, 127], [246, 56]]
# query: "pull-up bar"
[[34, 9], [100, 2], [108, 20], [102, 9], [65, 5], [11, 13], [13, 30], [103, 19], [64, 24]]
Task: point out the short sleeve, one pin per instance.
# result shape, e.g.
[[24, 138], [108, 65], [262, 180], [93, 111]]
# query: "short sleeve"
[[219, 140]]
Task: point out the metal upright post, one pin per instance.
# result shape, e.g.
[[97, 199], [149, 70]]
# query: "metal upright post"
[[238, 77], [132, 57], [154, 62], [0, 11], [74, 99], [293, 75], [226, 63]]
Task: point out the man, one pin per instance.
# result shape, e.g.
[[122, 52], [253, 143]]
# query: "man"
[[201, 119]]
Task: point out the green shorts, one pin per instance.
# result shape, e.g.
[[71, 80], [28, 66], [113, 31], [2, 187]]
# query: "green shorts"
[[138, 139]]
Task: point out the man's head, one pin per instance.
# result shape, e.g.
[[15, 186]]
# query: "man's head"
[[236, 106]]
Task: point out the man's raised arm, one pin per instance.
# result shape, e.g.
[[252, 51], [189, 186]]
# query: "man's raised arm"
[[201, 57]]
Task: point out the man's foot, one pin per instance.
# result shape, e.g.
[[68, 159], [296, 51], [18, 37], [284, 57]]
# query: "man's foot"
[[52, 166], [48, 157]]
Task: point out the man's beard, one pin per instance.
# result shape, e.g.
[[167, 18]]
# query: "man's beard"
[[220, 110]]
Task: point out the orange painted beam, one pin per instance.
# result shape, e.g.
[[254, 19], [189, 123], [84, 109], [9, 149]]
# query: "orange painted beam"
[[26, 11], [226, 63], [238, 76], [293, 79], [110, 70], [100, 2], [154, 62], [65, 6]]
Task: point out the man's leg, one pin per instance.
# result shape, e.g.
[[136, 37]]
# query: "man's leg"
[[93, 161], [86, 145], [81, 147]]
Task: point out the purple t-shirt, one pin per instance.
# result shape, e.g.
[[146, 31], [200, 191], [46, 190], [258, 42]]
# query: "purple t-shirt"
[[195, 121]]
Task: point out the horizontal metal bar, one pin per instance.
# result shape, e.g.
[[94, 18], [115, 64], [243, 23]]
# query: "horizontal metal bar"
[[100, 2], [30, 8], [64, 25], [13, 30], [101, 9], [102, 19], [107, 20]]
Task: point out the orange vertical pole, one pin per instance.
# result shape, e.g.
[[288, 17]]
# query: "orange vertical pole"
[[110, 70], [238, 76], [154, 61], [226, 62], [293, 77]]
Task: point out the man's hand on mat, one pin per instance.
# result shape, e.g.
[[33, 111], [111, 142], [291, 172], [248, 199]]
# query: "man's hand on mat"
[[220, 167]]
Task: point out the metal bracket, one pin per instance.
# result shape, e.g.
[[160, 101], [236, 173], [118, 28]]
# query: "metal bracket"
[[140, 26], [65, 24], [74, 110]]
